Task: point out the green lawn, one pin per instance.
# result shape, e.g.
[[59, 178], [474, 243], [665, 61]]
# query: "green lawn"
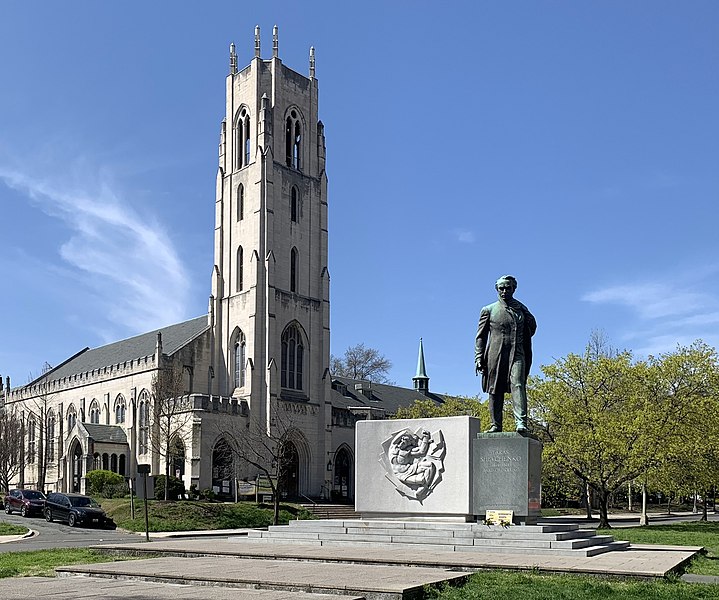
[[188, 515], [10, 529], [41, 563]]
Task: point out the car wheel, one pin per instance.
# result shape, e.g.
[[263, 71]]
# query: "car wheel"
[[71, 520], [24, 512], [48, 515], [8, 510]]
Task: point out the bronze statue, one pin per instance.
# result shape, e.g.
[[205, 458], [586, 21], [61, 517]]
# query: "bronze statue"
[[503, 353]]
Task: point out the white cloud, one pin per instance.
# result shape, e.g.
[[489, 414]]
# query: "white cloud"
[[128, 264], [465, 237]]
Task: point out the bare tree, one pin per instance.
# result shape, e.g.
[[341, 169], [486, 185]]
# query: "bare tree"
[[11, 446], [40, 426], [267, 451], [360, 362], [171, 415]]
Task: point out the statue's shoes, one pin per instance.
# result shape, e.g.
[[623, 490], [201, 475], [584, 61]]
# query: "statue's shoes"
[[523, 431], [494, 429]]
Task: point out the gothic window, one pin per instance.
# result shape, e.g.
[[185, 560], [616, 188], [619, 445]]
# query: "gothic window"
[[31, 440], [105, 461], [242, 132], [96, 462], [240, 270], [50, 436], [143, 423], [113, 463], [119, 409], [240, 355], [94, 412], [293, 140], [294, 202], [240, 202], [293, 270], [71, 417], [293, 351]]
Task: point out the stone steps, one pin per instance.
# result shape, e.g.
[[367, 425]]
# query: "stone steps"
[[332, 511], [437, 536]]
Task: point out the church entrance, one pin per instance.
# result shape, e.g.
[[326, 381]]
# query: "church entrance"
[[76, 468], [343, 476], [289, 473]]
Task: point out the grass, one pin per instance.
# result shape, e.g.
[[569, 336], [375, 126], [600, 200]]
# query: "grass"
[[489, 585], [42, 563], [189, 515], [10, 529], [693, 533]]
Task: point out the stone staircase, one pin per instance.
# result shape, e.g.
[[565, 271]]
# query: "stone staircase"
[[567, 540], [331, 511]]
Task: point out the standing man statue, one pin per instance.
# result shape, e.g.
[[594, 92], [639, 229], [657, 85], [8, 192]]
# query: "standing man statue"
[[503, 353]]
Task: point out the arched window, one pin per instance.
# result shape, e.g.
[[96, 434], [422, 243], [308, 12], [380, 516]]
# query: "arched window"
[[50, 443], [121, 468], [71, 417], [105, 461], [113, 463], [94, 412], [293, 270], [143, 422], [119, 409], [240, 269], [242, 132], [240, 355], [293, 140], [294, 204], [96, 462], [240, 202], [293, 351], [31, 440]]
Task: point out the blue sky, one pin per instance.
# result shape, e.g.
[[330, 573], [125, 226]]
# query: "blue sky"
[[572, 144]]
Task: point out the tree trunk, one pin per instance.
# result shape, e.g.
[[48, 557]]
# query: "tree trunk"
[[588, 500], [603, 510], [705, 500]]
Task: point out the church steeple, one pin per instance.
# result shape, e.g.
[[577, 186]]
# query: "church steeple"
[[420, 380]]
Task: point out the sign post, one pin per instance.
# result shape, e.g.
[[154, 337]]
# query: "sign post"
[[144, 470]]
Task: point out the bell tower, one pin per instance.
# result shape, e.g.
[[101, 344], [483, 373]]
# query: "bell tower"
[[270, 288]]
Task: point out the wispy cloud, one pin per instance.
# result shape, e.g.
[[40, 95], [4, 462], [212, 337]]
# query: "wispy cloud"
[[124, 260], [465, 237]]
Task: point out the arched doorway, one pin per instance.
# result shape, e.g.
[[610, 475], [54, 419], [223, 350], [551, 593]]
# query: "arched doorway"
[[289, 472], [177, 458], [223, 470], [77, 468], [343, 476]]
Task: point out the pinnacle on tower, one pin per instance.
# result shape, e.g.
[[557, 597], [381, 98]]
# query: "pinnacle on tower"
[[312, 62], [257, 41], [233, 59], [420, 380], [275, 43]]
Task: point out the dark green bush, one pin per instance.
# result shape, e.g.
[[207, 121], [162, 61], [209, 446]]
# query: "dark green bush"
[[106, 484], [175, 490]]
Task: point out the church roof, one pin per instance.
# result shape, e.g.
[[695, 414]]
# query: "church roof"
[[375, 395], [108, 434], [174, 337]]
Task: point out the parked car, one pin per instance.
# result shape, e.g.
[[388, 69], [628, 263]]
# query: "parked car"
[[26, 502], [76, 509]]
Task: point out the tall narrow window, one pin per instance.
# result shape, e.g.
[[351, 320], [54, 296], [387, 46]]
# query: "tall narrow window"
[[71, 417], [292, 358], [240, 202], [119, 410], [143, 423], [50, 442], [294, 201], [293, 140], [242, 139], [293, 270], [94, 412], [240, 270], [31, 440], [240, 352]]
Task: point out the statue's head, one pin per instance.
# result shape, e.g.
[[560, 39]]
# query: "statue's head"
[[505, 286]]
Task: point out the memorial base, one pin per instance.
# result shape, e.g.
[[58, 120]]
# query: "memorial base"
[[507, 474]]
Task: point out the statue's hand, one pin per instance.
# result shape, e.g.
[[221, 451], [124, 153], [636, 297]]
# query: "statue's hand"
[[478, 368]]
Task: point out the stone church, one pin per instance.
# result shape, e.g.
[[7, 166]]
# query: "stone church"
[[259, 359]]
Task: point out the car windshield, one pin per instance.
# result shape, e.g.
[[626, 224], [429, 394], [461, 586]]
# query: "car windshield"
[[33, 495], [82, 501]]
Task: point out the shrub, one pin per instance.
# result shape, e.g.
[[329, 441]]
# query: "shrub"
[[175, 490], [106, 484]]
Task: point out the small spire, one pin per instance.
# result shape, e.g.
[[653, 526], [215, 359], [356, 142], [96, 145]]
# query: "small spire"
[[275, 43], [421, 381], [312, 62], [257, 41], [233, 59]]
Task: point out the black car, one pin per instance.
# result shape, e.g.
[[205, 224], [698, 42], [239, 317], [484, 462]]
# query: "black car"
[[76, 509], [26, 502]]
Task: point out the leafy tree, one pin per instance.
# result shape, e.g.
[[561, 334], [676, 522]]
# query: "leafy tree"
[[360, 362], [424, 408], [171, 416], [11, 446]]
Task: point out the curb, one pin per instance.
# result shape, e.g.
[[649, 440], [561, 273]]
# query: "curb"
[[18, 538]]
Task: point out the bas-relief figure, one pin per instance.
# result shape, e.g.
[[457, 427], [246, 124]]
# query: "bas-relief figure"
[[503, 353], [414, 462]]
